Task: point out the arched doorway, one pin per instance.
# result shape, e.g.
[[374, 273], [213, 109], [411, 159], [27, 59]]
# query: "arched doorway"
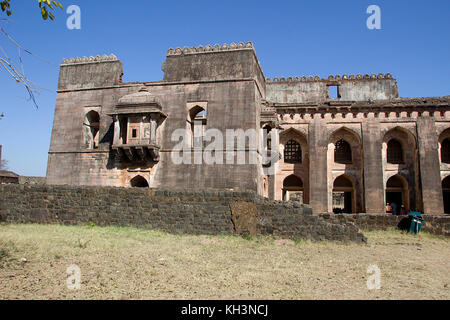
[[343, 195], [139, 182], [293, 189], [397, 193], [446, 194]]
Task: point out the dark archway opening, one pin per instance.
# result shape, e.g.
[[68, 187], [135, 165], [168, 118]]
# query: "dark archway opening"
[[343, 193], [139, 182], [446, 194], [397, 194], [445, 151], [293, 189]]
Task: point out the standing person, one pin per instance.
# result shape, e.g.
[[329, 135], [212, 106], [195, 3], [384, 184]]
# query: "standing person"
[[394, 209], [403, 210], [388, 208]]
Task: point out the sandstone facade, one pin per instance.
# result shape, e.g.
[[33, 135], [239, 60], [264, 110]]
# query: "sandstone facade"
[[347, 143]]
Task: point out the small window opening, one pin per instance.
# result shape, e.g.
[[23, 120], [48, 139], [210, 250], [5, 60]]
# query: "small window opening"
[[134, 133], [333, 92]]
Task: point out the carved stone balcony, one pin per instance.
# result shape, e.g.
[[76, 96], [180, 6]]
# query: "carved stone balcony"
[[137, 117], [137, 152]]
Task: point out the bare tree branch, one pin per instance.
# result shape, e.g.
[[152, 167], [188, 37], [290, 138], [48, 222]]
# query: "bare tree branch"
[[18, 73], [4, 165]]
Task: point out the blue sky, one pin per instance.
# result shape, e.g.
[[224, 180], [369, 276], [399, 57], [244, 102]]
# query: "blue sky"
[[292, 38]]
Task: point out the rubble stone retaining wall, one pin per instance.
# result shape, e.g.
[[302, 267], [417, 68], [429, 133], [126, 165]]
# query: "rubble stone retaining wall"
[[434, 224], [193, 212]]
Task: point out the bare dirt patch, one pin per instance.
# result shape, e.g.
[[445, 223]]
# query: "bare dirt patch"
[[126, 263]]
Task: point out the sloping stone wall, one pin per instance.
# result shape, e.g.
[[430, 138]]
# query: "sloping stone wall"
[[199, 212]]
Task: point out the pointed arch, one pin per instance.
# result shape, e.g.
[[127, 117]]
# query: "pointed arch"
[[406, 137], [350, 135], [294, 146]]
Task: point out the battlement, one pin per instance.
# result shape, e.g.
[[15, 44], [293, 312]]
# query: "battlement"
[[373, 76], [208, 49], [229, 62], [91, 59], [92, 72], [314, 89]]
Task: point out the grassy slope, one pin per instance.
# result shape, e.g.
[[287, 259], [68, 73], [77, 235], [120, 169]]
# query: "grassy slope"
[[126, 263]]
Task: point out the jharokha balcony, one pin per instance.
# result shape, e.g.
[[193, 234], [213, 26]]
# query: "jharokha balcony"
[[137, 118]]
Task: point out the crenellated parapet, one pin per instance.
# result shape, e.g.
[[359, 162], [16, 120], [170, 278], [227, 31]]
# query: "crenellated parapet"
[[209, 48], [373, 76], [90, 72], [103, 58], [214, 63]]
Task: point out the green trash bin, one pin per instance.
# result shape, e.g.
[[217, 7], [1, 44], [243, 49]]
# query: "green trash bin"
[[416, 222]]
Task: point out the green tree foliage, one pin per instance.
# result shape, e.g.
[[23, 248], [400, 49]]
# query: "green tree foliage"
[[46, 7]]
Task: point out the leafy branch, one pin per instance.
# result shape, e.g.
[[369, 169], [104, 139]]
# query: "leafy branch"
[[46, 7]]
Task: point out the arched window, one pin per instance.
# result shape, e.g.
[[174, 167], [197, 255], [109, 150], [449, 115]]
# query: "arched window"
[[395, 152], [139, 182], [197, 120], [91, 129], [342, 152], [292, 152], [445, 151]]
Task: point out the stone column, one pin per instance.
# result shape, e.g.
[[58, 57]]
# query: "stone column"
[[430, 173], [116, 130], [141, 130], [318, 144], [153, 126], [374, 191]]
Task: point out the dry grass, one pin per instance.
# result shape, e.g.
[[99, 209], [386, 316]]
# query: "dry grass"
[[126, 263]]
